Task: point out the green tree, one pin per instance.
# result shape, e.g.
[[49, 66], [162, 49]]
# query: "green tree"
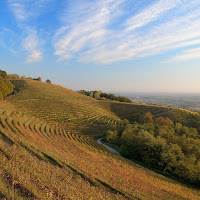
[[97, 95], [172, 157], [112, 136], [14, 77], [178, 127], [9, 85], [165, 132], [6, 87], [3, 74], [91, 94], [48, 81]]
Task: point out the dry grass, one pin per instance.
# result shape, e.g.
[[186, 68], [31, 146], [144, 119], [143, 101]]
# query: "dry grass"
[[42, 157]]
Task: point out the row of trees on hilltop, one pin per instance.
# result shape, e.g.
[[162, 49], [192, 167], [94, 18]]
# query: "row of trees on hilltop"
[[18, 77], [6, 87], [15, 77], [162, 144], [103, 96]]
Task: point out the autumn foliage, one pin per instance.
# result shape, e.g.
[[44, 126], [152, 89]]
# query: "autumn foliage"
[[6, 87], [47, 150]]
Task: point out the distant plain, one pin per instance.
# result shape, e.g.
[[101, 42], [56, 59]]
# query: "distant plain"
[[190, 101]]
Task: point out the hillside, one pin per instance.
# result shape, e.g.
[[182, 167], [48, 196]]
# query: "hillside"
[[47, 154], [84, 114], [57, 104]]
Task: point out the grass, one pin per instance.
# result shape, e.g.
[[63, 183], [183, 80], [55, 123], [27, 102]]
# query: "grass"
[[56, 104], [47, 156]]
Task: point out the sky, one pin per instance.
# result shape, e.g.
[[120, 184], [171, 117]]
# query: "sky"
[[109, 45]]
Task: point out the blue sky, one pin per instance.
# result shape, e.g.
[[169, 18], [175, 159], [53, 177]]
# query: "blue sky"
[[112, 45]]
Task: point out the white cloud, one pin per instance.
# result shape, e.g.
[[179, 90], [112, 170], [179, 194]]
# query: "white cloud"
[[18, 8], [90, 37], [186, 55], [151, 13], [8, 40], [159, 39], [34, 56], [181, 31], [24, 10], [30, 44], [87, 31]]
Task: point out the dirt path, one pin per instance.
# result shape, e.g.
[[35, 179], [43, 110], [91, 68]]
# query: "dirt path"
[[109, 148]]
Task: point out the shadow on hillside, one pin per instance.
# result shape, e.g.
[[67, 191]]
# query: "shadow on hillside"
[[132, 111]]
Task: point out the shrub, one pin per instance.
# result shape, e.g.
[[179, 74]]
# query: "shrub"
[[48, 81], [37, 79]]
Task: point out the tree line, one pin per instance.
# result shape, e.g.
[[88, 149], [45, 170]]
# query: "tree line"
[[6, 87], [18, 77], [105, 96], [161, 144]]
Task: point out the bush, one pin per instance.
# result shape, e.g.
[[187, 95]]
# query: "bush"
[[37, 79], [48, 81]]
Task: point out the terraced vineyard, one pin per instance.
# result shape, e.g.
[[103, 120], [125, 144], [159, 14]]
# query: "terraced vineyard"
[[80, 113], [56, 104], [73, 165], [45, 152], [26, 140], [133, 112]]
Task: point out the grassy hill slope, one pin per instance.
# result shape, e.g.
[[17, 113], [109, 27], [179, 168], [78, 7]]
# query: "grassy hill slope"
[[42, 157], [57, 104], [133, 112], [84, 114]]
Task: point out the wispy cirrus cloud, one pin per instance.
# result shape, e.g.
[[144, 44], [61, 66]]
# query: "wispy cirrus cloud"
[[18, 8], [30, 44], [186, 55], [9, 35], [88, 29], [103, 31], [151, 13], [27, 9], [93, 39]]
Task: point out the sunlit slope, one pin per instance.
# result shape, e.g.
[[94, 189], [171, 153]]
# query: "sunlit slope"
[[55, 103], [85, 115], [41, 161], [44, 161]]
